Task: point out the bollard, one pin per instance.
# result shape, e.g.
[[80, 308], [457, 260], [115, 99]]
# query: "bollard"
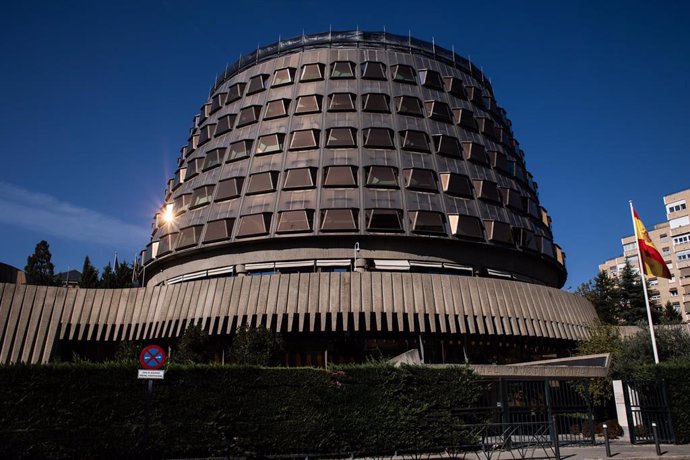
[[655, 432], [556, 445], [606, 439]]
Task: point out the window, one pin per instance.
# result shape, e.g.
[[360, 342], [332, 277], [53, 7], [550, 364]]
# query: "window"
[[308, 104], [217, 102], [382, 177], [427, 222], [165, 245], [270, 143], [486, 127], [525, 238], [225, 124], [465, 118], [312, 72], [254, 225], [423, 180], [663, 237], [181, 203], [203, 114], [498, 161], [416, 141], [679, 222], [375, 102], [256, 84], [373, 70], [194, 167], [475, 152], [384, 220], [341, 137], [404, 74], [430, 79], [206, 133], [342, 69], [381, 138], [189, 237], [295, 221], [466, 226], [214, 158], [408, 105], [229, 188], [341, 102], [681, 239], [474, 94], [456, 184], [262, 182], [683, 255], [673, 292], [180, 176], [339, 220], [304, 139], [675, 206], [276, 109], [218, 230], [454, 86], [498, 232], [235, 92], [249, 115], [447, 145], [438, 111], [299, 178], [512, 198], [629, 247], [239, 150], [201, 196], [487, 190], [283, 76], [545, 245], [340, 176]]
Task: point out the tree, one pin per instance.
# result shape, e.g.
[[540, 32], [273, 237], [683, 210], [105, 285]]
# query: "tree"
[[89, 275], [672, 343], [108, 280], [39, 268], [193, 347], [670, 315], [123, 275], [252, 346], [633, 309], [602, 339], [602, 291]]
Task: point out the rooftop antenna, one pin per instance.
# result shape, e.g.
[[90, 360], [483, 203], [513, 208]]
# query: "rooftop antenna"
[[279, 43], [433, 45], [482, 71], [452, 48], [256, 60], [409, 39]]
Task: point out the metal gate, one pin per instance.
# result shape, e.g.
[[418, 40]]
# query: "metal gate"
[[646, 402]]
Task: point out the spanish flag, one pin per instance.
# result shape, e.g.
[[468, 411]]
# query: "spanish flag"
[[653, 263]]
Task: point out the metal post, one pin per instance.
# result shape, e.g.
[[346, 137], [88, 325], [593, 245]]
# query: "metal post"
[[606, 439], [655, 432], [147, 410], [556, 445]]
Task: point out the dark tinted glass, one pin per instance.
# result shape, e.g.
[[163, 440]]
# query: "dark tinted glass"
[[454, 86], [165, 244], [235, 92], [276, 109], [299, 178], [427, 222], [256, 83], [408, 105], [341, 137], [381, 138], [420, 179], [239, 150], [447, 145], [201, 196], [430, 79], [384, 220], [206, 133], [308, 104], [249, 115], [475, 152], [456, 184], [341, 102], [270, 143], [499, 161], [499, 232], [404, 73], [373, 70], [218, 230], [438, 111], [342, 69], [283, 77], [340, 176], [312, 72], [525, 238], [230, 188], [487, 190], [218, 101], [225, 124], [254, 225], [214, 158], [181, 203], [512, 198], [189, 237], [375, 102], [194, 167], [415, 140], [338, 220], [295, 221], [464, 118], [304, 139], [382, 176], [486, 126], [262, 182], [466, 226]]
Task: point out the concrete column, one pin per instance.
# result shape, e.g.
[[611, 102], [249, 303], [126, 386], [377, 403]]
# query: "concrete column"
[[240, 270], [361, 265], [621, 413]]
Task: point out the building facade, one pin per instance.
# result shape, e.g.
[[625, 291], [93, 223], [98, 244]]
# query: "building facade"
[[672, 239], [360, 193]]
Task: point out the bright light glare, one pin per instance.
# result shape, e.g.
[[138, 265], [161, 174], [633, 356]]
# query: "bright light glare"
[[168, 214]]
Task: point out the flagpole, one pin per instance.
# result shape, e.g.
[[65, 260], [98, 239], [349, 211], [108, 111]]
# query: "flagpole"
[[644, 285]]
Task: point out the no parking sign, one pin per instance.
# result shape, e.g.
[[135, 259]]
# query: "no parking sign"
[[152, 358]]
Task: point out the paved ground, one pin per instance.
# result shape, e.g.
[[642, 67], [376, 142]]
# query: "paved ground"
[[623, 449]]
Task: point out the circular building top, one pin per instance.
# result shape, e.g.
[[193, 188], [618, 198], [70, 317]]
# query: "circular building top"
[[352, 150]]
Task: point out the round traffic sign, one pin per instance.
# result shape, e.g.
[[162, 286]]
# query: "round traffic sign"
[[152, 357]]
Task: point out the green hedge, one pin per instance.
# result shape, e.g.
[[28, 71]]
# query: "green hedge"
[[97, 410], [675, 373]]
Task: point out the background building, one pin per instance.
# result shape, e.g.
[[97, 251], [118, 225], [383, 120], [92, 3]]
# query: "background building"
[[360, 193], [672, 239]]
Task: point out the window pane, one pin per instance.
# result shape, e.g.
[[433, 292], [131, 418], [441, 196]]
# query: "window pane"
[[404, 73], [214, 158], [206, 133], [499, 161], [256, 84], [340, 176], [194, 167], [235, 92], [218, 101], [475, 152], [373, 70], [466, 226], [420, 179], [408, 105], [189, 237], [415, 140], [465, 118], [525, 238], [335, 220], [249, 115], [384, 220], [498, 232], [454, 86], [262, 182], [312, 72], [447, 145], [304, 139], [230, 188], [181, 203], [201, 196], [456, 184], [254, 225], [341, 137], [430, 79], [239, 150], [225, 124], [341, 102], [427, 222], [165, 244], [299, 178], [378, 138], [295, 221], [439, 111], [382, 176], [512, 198], [487, 190], [271, 143], [375, 102], [283, 77], [343, 69], [218, 230], [308, 104], [276, 109]]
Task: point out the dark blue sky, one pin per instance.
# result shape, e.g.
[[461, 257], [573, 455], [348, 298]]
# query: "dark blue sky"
[[96, 99]]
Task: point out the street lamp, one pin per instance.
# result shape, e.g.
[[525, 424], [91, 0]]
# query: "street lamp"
[[354, 263]]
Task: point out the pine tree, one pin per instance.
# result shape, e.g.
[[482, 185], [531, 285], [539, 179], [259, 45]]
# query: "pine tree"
[[108, 280], [633, 309], [604, 294], [89, 275], [39, 268], [670, 315], [123, 275]]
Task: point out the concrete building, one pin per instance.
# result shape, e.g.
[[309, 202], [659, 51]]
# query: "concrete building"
[[672, 239], [361, 193]]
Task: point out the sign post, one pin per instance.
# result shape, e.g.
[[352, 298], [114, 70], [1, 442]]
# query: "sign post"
[[151, 358]]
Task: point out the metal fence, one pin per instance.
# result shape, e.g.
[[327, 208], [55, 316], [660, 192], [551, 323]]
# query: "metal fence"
[[647, 406]]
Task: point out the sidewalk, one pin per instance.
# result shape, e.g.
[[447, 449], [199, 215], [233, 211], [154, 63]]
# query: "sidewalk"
[[623, 449]]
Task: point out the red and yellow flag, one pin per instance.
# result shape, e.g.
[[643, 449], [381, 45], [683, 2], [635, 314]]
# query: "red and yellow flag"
[[653, 263]]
